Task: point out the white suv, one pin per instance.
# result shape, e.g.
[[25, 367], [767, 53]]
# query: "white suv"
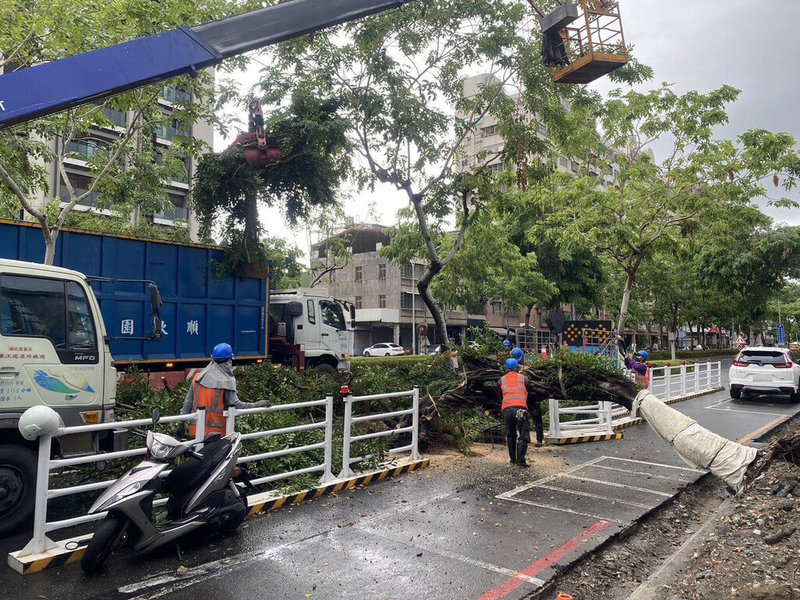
[[384, 349], [765, 371]]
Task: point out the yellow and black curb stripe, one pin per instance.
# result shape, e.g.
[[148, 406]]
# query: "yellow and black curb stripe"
[[627, 424], [65, 553], [275, 503], [71, 551], [578, 439]]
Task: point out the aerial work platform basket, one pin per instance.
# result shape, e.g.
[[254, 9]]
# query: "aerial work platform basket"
[[584, 47]]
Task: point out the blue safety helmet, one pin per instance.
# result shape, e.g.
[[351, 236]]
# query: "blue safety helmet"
[[511, 364], [643, 354], [517, 353], [222, 352], [506, 343]]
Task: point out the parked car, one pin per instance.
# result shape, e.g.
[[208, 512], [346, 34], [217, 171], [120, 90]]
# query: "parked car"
[[765, 370], [384, 349]]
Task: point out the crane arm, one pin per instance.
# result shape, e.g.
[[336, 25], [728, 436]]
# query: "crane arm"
[[51, 87]]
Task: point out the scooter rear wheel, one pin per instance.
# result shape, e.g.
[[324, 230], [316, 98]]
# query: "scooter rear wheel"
[[107, 536]]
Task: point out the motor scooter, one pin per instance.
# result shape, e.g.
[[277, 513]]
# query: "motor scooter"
[[201, 490]]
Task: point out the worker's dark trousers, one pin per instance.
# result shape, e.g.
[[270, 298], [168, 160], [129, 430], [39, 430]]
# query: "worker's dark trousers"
[[518, 434], [538, 425]]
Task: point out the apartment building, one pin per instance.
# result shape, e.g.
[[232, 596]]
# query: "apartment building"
[[178, 213], [388, 305]]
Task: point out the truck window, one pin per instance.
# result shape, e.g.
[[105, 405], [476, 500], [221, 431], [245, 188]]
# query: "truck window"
[[79, 319], [332, 315], [36, 307], [312, 318]]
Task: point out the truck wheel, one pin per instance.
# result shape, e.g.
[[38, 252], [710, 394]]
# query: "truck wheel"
[[17, 487], [326, 368]]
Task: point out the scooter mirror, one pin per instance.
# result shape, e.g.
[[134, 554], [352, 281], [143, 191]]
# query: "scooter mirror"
[[156, 416]]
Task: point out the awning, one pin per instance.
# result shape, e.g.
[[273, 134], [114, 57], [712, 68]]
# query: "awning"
[[503, 331]]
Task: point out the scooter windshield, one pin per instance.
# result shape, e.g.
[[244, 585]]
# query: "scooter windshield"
[[163, 446]]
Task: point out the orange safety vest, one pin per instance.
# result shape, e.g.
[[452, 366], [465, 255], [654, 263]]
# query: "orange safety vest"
[[514, 393], [213, 401], [643, 379]]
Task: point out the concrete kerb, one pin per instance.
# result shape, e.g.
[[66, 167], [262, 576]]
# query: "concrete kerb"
[[622, 424], [71, 550]]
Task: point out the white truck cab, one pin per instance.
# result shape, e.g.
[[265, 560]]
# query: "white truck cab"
[[320, 324], [53, 351]]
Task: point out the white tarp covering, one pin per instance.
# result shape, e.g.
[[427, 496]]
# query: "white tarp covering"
[[696, 445]]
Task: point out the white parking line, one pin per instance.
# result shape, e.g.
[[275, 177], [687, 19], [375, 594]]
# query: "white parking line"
[[738, 410], [619, 485], [562, 509], [594, 496], [642, 473]]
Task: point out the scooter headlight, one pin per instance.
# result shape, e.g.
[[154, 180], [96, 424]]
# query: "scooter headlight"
[[131, 489], [158, 450]]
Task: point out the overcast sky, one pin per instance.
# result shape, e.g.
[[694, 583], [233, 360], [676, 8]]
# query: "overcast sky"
[[700, 45]]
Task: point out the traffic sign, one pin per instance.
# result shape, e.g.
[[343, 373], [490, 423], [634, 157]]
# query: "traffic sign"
[[781, 334]]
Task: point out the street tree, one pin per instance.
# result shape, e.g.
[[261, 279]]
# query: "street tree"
[[400, 77], [645, 198], [314, 161], [124, 167]]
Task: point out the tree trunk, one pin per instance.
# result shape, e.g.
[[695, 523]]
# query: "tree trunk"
[[626, 299], [423, 284], [528, 316], [251, 226], [50, 237]]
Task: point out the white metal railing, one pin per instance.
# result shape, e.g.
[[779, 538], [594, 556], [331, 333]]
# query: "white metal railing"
[[326, 445], [666, 383], [675, 381], [349, 420], [41, 526]]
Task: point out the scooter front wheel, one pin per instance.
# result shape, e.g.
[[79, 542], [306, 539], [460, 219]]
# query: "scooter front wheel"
[[107, 536]]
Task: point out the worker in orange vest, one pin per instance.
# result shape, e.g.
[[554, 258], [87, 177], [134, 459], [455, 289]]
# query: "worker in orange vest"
[[514, 408], [214, 388]]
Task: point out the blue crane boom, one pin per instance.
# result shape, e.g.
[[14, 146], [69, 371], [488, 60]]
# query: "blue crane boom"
[[51, 87]]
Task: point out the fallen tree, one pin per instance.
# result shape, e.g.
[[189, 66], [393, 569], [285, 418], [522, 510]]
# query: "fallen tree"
[[590, 379]]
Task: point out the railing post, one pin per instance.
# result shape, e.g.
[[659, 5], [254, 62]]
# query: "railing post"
[[667, 382], [683, 379], [327, 474], [555, 429], [40, 542], [230, 420], [200, 425], [696, 377], [609, 417], [718, 376], [415, 425], [348, 424]]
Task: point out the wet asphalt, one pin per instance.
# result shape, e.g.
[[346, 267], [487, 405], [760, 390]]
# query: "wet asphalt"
[[463, 528]]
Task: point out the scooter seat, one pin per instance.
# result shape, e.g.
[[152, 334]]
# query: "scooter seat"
[[184, 479]]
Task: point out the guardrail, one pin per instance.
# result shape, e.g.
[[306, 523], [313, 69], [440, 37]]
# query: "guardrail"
[[674, 381], [350, 420], [666, 383], [41, 527], [326, 445]]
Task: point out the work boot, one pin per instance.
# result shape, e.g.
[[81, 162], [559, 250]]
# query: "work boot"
[[523, 463]]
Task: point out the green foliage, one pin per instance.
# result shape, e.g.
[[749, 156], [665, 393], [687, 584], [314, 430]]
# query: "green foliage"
[[314, 162]]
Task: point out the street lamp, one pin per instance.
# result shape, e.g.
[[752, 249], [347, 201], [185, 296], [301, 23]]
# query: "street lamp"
[[413, 313]]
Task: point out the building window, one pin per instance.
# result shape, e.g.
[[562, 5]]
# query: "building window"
[[406, 300], [488, 131], [408, 273], [80, 184], [382, 301], [174, 211], [117, 117], [358, 302], [85, 149], [497, 308], [381, 271], [359, 271]]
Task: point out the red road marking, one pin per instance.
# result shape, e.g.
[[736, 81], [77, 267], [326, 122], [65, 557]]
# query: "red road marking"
[[540, 565]]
